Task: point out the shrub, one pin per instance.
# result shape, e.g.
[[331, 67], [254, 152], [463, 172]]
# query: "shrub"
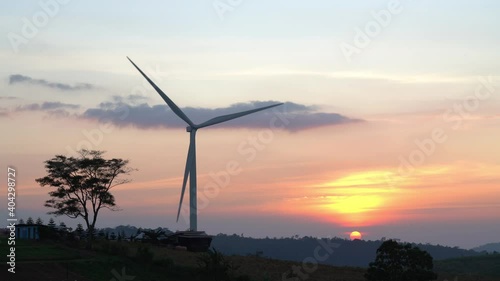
[[143, 254], [214, 266], [164, 262], [118, 249]]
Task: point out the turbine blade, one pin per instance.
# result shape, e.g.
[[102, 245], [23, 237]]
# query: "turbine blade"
[[170, 103], [228, 117], [189, 162]]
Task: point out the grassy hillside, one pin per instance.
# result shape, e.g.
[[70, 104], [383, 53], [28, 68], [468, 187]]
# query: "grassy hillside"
[[56, 261], [39, 261], [44, 260]]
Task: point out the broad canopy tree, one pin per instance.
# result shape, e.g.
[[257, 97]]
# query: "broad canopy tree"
[[401, 262], [82, 185]]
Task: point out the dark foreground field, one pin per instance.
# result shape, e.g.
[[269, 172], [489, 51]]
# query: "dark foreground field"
[[123, 261]]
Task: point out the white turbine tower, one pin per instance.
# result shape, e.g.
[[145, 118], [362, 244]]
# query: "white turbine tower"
[[191, 157]]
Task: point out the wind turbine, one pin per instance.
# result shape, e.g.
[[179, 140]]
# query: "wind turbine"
[[191, 157]]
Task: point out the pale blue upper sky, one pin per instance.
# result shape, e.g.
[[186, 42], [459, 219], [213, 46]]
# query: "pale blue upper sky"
[[428, 42], [464, 25]]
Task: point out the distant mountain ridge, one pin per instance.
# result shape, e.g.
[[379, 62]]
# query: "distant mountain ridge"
[[357, 253], [490, 248]]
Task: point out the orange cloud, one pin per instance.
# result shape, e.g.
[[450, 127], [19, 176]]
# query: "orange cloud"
[[370, 197]]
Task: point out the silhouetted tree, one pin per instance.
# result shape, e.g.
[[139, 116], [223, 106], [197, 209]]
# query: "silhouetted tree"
[[39, 221], [101, 234], [62, 227], [134, 236], [112, 236], [401, 262], [153, 235], [79, 230], [83, 185], [52, 224], [21, 221], [30, 221]]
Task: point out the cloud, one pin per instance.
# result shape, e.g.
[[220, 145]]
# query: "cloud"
[[59, 113], [133, 99], [47, 106], [9, 98], [54, 109], [290, 116], [21, 79]]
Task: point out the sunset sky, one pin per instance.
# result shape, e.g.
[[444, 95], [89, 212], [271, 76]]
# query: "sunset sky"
[[390, 124]]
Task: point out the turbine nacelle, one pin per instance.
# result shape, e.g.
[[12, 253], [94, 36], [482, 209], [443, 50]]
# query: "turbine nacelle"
[[189, 129]]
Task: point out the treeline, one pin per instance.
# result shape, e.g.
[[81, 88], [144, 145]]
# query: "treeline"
[[130, 232]]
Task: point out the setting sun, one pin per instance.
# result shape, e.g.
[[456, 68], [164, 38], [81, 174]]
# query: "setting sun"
[[355, 235]]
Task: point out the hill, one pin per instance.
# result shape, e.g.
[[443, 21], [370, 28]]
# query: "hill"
[[348, 253], [490, 248], [46, 260]]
